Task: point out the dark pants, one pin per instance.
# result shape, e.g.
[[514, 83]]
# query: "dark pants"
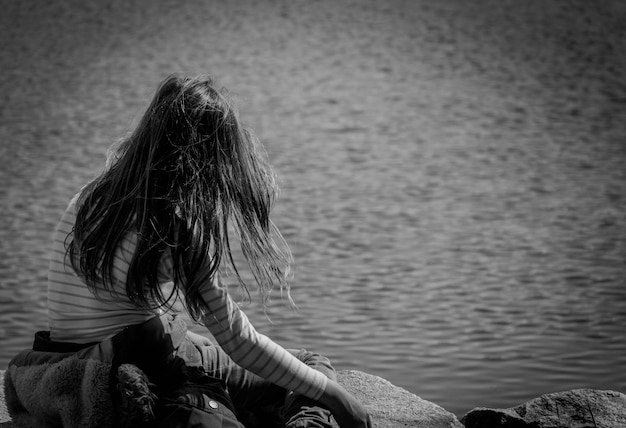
[[262, 403]]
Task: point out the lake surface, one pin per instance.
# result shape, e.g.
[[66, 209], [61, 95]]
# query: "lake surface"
[[453, 175]]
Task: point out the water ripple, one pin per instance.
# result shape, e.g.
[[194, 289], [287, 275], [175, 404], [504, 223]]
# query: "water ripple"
[[452, 174]]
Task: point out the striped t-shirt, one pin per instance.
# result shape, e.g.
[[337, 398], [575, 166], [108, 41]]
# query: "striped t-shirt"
[[75, 314]]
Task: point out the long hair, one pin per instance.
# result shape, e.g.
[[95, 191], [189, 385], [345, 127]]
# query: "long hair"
[[188, 171]]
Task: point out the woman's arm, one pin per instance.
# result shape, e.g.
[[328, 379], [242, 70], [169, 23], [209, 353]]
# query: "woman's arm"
[[254, 351], [259, 354]]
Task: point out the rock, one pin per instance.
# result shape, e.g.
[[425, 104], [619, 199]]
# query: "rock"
[[5, 420], [389, 405], [392, 406], [579, 408]]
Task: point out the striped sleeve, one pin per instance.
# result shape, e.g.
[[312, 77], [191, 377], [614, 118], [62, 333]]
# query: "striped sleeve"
[[254, 351]]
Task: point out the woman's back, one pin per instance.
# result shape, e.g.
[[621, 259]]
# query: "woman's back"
[[74, 312]]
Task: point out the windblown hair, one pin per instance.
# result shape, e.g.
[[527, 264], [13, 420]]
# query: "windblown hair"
[[188, 170]]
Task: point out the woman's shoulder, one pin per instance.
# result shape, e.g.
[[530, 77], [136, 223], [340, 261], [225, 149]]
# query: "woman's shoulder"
[[71, 206]]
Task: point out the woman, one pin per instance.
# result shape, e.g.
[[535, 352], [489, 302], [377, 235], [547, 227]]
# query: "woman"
[[152, 234]]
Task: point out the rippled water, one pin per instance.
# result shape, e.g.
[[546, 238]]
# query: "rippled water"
[[453, 175]]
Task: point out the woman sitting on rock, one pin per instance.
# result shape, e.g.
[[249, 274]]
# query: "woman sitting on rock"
[[152, 234]]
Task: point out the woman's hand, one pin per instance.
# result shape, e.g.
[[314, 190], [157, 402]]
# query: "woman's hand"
[[347, 411]]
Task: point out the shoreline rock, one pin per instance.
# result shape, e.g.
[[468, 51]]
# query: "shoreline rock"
[[578, 408], [5, 419], [392, 406]]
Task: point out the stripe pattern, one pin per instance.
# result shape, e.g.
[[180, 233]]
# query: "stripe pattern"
[[254, 351], [74, 312], [77, 315]]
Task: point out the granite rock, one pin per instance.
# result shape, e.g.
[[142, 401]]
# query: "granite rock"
[[5, 420], [394, 407], [579, 408]]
